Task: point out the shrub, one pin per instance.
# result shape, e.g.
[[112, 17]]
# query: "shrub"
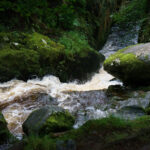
[[133, 11], [80, 58], [39, 143]]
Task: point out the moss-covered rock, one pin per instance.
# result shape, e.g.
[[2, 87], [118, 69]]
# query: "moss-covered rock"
[[25, 54], [131, 65], [4, 132], [47, 120], [18, 64]]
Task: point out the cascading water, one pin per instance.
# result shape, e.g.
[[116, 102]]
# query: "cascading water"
[[120, 38], [86, 101]]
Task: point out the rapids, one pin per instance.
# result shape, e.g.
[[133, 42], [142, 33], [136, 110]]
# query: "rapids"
[[86, 101]]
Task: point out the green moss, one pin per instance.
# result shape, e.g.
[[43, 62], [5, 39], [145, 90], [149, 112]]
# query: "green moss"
[[127, 67], [124, 61], [80, 58], [47, 120], [131, 11], [39, 143], [39, 41], [58, 122], [120, 55], [116, 137], [139, 123], [70, 58], [19, 64]]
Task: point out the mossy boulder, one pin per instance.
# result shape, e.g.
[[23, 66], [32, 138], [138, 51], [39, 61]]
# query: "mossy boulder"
[[18, 64], [23, 55], [131, 65], [48, 119], [4, 132]]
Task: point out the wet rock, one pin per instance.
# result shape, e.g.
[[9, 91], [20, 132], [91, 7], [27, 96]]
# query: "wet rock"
[[130, 112], [69, 145], [146, 147], [131, 64], [140, 102], [4, 132], [116, 90], [17, 146], [60, 145], [48, 119]]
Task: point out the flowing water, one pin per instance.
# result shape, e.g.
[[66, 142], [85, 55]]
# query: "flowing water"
[[86, 101]]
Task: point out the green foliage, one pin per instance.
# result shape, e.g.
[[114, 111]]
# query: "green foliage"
[[52, 17], [133, 11], [144, 35], [39, 143], [58, 122], [80, 57], [74, 42], [61, 16], [139, 123], [105, 125]]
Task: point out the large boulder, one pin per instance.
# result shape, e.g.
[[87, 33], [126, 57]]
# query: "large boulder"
[[4, 132], [131, 64], [23, 55], [48, 119]]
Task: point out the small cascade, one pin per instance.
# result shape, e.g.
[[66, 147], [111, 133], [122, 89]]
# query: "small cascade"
[[120, 38]]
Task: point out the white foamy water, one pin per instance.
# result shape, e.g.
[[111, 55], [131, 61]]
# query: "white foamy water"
[[86, 101]]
